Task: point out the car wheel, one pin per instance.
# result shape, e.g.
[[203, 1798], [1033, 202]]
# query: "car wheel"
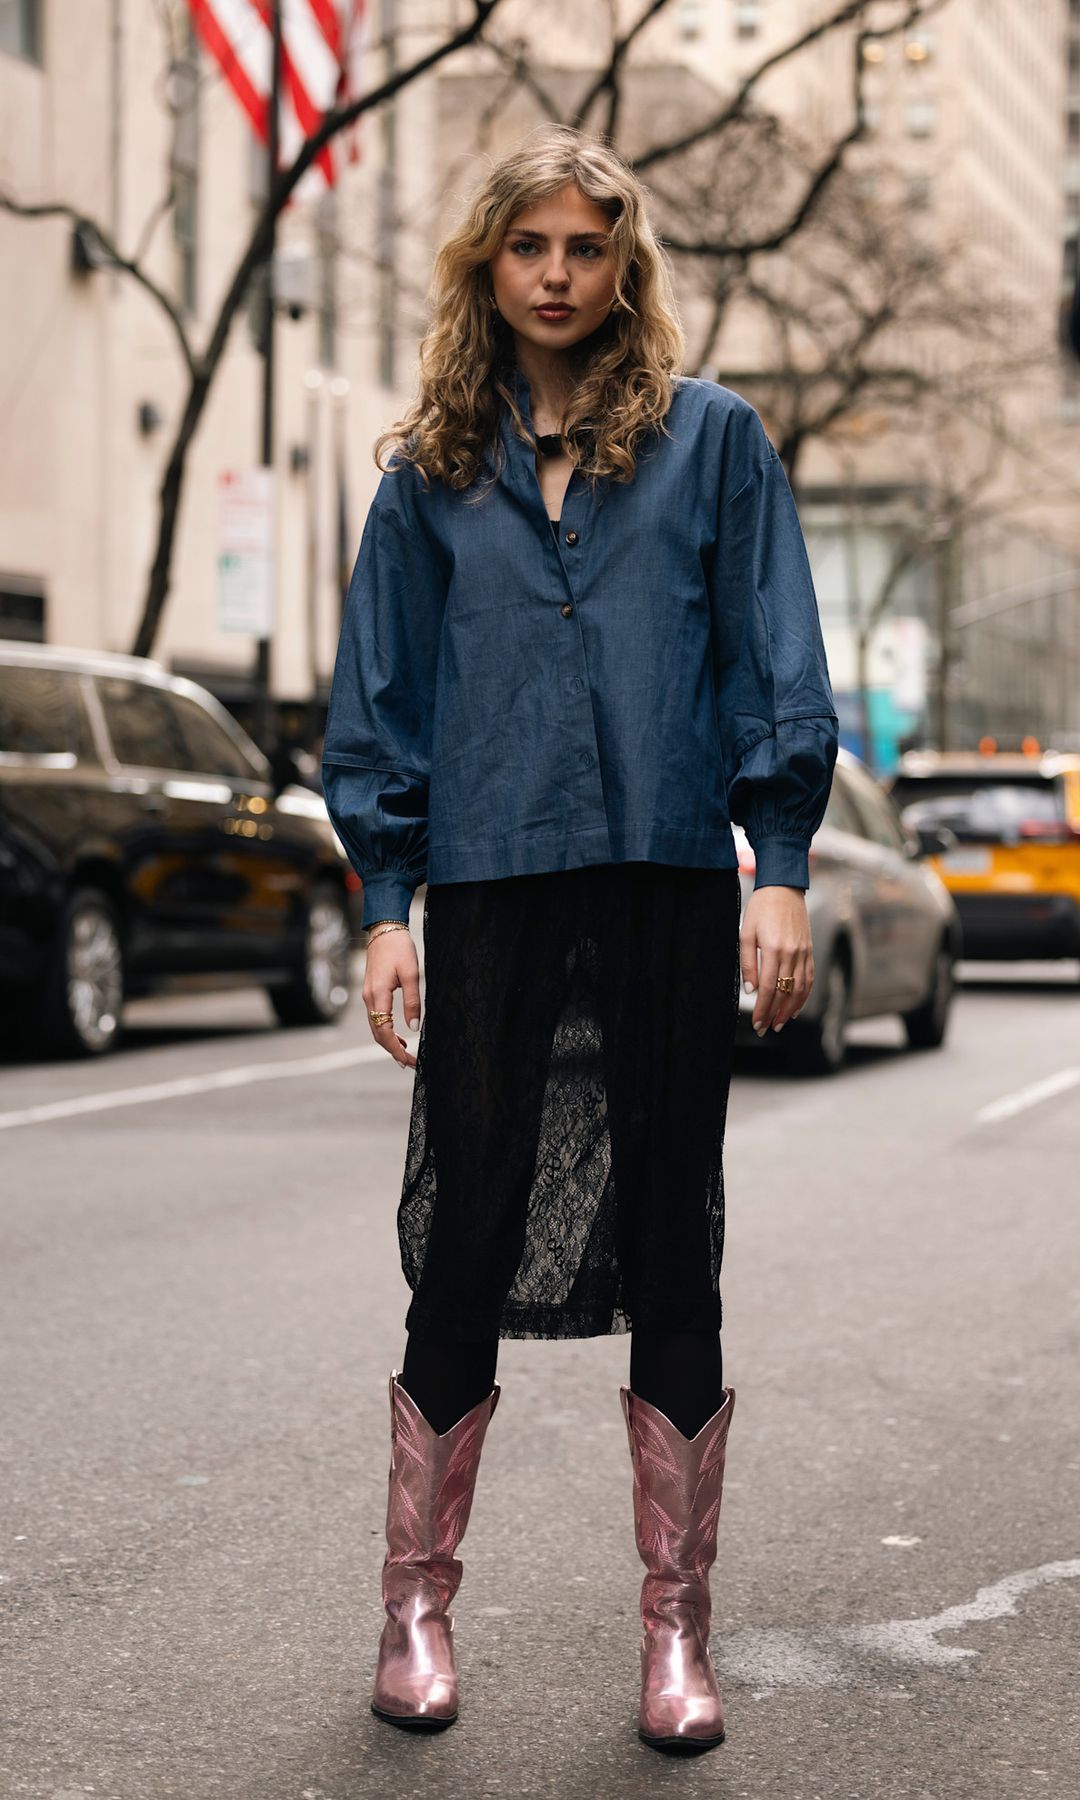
[[83, 996], [320, 989], [926, 1025], [819, 1046]]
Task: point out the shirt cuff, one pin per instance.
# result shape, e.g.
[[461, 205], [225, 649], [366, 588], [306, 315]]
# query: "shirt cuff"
[[387, 897], [782, 862]]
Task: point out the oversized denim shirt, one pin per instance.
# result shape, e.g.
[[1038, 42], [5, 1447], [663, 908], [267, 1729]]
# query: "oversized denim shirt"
[[505, 702]]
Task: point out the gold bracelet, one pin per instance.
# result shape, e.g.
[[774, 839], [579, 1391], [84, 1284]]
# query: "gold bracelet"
[[386, 925]]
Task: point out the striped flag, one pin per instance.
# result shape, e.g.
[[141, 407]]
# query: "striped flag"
[[319, 68]]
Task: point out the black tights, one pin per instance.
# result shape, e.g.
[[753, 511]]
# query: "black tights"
[[679, 1372]]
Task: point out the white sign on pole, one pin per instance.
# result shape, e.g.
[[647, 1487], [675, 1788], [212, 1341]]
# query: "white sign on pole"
[[910, 647], [246, 552]]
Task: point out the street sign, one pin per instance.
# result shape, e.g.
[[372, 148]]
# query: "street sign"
[[910, 638], [246, 552]]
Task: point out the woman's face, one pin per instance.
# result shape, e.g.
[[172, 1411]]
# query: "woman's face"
[[555, 253]]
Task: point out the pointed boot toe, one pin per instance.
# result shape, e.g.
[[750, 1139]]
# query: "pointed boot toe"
[[680, 1721], [427, 1702], [415, 1680]]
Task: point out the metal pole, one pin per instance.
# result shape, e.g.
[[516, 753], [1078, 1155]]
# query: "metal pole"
[[386, 222], [339, 394], [949, 577], [264, 733], [313, 383]]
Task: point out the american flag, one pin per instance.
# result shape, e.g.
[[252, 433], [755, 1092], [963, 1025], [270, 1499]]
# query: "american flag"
[[320, 49]]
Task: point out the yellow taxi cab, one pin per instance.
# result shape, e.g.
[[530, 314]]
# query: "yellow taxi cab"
[[1014, 868]]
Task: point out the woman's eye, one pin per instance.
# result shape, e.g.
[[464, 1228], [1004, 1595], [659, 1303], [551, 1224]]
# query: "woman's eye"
[[589, 251]]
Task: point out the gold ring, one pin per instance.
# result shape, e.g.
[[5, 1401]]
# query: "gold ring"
[[786, 983], [380, 1018]]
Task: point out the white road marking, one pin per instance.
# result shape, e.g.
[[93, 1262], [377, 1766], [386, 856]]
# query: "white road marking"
[[227, 1078], [836, 1655], [242, 1076], [1029, 1096]]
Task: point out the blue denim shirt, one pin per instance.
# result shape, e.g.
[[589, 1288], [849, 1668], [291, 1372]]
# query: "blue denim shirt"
[[505, 701]]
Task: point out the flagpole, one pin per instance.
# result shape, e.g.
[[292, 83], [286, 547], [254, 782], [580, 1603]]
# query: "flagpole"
[[265, 733]]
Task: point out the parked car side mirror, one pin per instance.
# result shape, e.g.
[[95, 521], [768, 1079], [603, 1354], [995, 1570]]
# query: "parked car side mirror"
[[932, 840]]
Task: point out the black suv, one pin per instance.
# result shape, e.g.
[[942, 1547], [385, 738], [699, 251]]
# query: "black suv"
[[145, 839]]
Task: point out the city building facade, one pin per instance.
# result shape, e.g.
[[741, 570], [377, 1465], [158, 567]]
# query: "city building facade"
[[117, 114]]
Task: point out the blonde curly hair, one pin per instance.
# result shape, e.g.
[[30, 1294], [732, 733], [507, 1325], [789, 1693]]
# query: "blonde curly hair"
[[623, 372]]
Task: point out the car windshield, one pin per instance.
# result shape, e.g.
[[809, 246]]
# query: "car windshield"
[[987, 809]]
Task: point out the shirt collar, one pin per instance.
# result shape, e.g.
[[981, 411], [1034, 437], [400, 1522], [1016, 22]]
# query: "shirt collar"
[[519, 472], [519, 387]]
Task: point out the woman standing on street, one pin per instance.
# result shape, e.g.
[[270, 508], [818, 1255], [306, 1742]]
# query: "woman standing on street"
[[580, 639]]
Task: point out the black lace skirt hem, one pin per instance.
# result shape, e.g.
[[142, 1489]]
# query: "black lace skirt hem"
[[555, 1321]]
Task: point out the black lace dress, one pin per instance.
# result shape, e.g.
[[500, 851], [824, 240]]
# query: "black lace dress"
[[564, 1173]]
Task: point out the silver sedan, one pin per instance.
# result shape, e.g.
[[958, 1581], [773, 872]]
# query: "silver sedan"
[[885, 928]]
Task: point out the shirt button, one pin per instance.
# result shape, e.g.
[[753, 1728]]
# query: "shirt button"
[[566, 609], [571, 537]]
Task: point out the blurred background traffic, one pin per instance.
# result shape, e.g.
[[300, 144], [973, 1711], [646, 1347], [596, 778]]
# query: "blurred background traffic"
[[872, 212]]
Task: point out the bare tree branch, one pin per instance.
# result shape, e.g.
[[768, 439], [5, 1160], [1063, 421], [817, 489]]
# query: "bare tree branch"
[[607, 82], [730, 258], [255, 253], [735, 108], [772, 240], [57, 209]]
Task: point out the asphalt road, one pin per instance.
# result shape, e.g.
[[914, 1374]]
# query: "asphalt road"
[[201, 1304]]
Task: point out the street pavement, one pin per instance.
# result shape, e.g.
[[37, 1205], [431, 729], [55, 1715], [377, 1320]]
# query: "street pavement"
[[202, 1302]]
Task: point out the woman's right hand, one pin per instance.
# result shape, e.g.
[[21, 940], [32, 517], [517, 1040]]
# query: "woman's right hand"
[[391, 963]]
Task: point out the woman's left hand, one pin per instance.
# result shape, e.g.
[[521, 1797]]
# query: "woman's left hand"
[[775, 922]]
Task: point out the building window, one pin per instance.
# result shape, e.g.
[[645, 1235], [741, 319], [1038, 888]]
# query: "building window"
[[691, 18], [22, 609], [20, 28], [1074, 59], [1072, 129], [919, 190], [184, 170], [747, 18], [920, 117], [919, 46]]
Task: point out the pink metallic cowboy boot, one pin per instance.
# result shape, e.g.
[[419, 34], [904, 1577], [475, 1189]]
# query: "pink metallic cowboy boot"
[[678, 1483], [432, 1478]]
